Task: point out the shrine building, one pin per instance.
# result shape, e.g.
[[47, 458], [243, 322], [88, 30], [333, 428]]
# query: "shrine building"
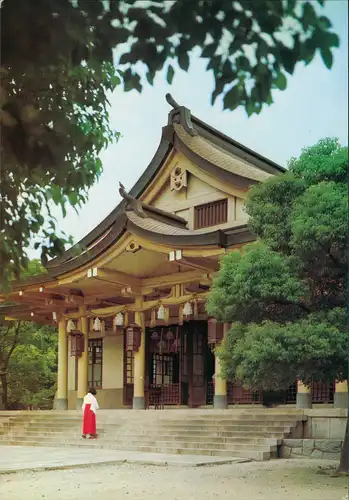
[[130, 306]]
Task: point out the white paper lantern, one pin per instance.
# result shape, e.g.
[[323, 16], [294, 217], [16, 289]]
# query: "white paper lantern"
[[187, 309], [161, 312], [119, 319], [70, 326], [97, 325]]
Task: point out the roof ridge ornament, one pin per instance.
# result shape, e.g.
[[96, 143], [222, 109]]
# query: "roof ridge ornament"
[[131, 202], [181, 115]]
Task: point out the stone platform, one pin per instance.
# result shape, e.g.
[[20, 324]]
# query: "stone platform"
[[25, 458]]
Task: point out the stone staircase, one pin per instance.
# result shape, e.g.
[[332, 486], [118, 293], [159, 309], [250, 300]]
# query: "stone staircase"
[[246, 433]]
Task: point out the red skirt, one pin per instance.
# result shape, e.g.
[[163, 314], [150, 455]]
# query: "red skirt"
[[89, 422]]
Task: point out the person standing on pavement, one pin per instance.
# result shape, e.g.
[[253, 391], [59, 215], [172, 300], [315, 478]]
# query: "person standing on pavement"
[[89, 408]]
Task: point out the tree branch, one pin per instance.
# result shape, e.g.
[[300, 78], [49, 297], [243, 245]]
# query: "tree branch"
[[285, 302], [14, 345]]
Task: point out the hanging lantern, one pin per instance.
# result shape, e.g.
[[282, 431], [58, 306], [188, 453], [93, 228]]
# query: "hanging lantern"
[[70, 326], [154, 335], [133, 337], [97, 325], [187, 309], [119, 320], [215, 331], [169, 335], [161, 343], [54, 316], [77, 343], [161, 312]]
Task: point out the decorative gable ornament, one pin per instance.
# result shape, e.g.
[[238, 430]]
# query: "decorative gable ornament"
[[179, 178]]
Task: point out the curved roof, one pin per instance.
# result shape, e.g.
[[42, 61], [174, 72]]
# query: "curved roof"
[[210, 149]]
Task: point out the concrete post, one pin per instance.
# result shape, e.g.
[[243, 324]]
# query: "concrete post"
[[341, 394], [220, 400], [62, 372], [83, 362], [303, 396], [139, 362]]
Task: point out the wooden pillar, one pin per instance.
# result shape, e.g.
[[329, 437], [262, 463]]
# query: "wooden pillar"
[[220, 400], [83, 362], [62, 371], [341, 394], [303, 395], [139, 362]]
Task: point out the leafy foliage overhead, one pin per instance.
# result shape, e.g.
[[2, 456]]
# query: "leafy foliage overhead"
[[57, 69], [286, 294], [28, 360]]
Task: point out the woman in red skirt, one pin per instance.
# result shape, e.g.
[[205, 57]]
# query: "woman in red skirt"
[[89, 407]]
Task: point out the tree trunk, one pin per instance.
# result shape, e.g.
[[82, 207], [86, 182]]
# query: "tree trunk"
[[4, 391]]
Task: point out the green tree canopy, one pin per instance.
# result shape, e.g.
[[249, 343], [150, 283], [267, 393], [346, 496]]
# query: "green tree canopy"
[[57, 70], [289, 288], [286, 294]]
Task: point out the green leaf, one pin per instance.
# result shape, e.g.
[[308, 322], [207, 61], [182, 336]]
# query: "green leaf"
[[232, 98], [324, 22], [150, 77], [327, 57], [183, 61], [281, 81], [170, 74], [115, 81], [288, 58], [209, 50], [309, 15], [332, 39]]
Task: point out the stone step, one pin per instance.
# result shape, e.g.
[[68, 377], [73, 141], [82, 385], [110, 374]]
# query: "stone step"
[[219, 434], [173, 427], [244, 452], [165, 446], [160, 423], [220, 441]]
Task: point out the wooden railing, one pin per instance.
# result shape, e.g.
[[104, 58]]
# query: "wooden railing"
[[163, 394], [322, 392]]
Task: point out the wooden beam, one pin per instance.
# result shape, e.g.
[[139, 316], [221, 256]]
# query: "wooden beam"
[[147, 305], [199, 263], [173, 279], [114, 277]]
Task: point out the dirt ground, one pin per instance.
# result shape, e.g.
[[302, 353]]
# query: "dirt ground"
[[274, 480]]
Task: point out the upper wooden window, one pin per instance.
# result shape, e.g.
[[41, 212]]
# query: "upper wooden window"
[[211, 214]]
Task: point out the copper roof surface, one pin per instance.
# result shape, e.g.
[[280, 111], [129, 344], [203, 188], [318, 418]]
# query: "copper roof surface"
[[220, 157]]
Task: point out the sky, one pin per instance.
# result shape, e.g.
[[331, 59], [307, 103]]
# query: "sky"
[[314, 105]]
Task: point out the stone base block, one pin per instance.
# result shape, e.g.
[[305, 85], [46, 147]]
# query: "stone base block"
[[79, 402], [220, 402], [62, 404], [341, 400], [304, 400], [138, 403]]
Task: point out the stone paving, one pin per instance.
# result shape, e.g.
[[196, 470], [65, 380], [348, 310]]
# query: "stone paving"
[[25, 458]]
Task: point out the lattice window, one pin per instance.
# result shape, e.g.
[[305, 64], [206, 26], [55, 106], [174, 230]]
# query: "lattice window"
[[95, 363], [162, 369], [211, 214]]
